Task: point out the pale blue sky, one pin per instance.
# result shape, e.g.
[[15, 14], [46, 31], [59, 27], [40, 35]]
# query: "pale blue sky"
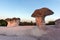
[[24, 8]]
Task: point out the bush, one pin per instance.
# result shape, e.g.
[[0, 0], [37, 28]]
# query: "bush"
[[51, 23], [27, 23]]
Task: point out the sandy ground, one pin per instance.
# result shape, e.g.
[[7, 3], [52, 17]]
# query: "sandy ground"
[[29, 33], [17, 38]]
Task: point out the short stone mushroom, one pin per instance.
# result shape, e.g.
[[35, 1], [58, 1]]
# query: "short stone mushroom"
[[40, 15], [13, 22]]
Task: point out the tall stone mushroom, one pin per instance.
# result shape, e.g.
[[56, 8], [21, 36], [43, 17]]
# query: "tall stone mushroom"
[[40, 15]]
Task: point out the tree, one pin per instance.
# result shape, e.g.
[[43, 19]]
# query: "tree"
[[3, 22]]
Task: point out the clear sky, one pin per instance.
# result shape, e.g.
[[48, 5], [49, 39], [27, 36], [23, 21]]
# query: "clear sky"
[[24, 8]]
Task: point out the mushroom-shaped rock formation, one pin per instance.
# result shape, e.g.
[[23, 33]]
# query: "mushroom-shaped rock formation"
[[12, 22], [40, 15], [57, 23]]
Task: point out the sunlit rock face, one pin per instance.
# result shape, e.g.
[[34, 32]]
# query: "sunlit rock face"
[[40, 22], [13, 22], [57, 23]]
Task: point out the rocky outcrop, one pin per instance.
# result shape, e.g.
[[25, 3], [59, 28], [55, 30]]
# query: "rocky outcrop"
[[12, 22]]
